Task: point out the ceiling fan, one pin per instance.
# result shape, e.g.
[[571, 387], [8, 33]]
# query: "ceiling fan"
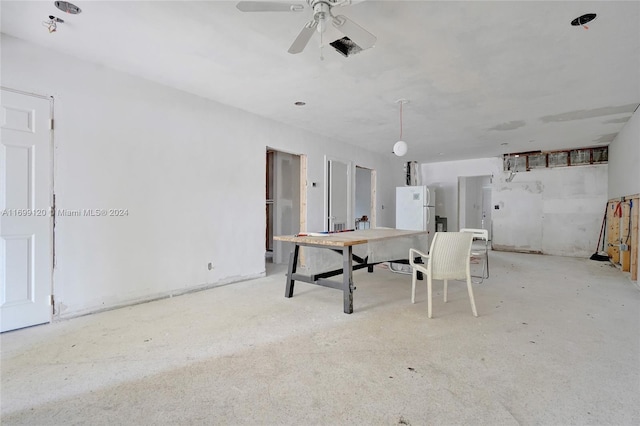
[[322, 16]]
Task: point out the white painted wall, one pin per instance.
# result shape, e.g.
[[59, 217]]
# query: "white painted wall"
[[190, 171], [444, 176], [624, 162], [553, 211]]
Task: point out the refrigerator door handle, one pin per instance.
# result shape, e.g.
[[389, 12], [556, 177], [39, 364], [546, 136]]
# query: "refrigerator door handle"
[[427, 218]]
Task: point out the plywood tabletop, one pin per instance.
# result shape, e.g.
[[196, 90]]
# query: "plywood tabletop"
[[349, 238]]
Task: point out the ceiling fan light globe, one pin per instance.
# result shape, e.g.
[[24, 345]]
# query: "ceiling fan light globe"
[[400, 148]]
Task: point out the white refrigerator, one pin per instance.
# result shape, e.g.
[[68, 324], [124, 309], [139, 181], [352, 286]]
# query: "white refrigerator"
[[416, 209]]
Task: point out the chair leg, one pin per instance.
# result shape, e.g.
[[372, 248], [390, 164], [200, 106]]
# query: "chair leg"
[[429, 295], [445, 291], [473, 302], [487, 259], [414, 276], [485, 267]]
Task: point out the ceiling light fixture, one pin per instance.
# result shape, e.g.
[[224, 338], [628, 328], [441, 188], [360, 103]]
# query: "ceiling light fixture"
[[322, 13], [400, 148]]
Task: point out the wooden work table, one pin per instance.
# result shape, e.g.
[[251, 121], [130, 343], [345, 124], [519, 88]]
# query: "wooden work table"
[[343, 243]]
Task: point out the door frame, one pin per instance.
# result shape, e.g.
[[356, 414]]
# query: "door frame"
[[462, 202], [373, 195], [303, 189], [51, 194], [351, 168]]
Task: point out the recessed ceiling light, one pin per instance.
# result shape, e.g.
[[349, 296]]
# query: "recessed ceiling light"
[[300, 103], [67, 7], [581, 20]]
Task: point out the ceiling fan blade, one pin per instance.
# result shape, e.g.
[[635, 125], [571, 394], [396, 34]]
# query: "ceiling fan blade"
[[355, 32], [303, 38], [268, 6]]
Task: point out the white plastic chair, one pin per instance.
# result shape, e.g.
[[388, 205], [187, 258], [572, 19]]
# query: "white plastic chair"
[[448, 259], [481, 251]]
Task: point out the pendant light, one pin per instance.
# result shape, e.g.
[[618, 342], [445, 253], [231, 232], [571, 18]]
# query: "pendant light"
[[400, 148]]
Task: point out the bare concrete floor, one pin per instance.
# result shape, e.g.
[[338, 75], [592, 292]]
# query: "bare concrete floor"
[[557, 342]]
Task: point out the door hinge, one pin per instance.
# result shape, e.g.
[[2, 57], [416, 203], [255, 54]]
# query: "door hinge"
[[51, 124]]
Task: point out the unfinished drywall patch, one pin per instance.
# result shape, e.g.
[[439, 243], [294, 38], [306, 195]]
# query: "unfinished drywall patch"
[[605, 138], [589, 113], [517, 223], [622, 233], [511, 125], [617, 120], [552, 211]]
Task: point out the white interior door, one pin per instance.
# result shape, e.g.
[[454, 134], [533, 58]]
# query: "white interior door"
[[338, 199], [286, 220], [364, 195], [474, 202], [25, 220]]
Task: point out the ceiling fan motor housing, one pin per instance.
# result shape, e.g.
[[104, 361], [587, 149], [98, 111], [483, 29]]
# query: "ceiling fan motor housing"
[[321, 13], [356, 38]]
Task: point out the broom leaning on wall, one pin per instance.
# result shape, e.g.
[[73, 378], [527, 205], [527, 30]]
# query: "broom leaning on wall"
[[602, 256]]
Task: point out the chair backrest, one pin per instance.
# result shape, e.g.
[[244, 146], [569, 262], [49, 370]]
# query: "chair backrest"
[[449, 255], [482, 234]]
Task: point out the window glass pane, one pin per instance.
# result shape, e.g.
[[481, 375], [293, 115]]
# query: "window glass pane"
[[558, 159], [537, 161], [600, 155], [511, 162], [580, 156], [508, 163]]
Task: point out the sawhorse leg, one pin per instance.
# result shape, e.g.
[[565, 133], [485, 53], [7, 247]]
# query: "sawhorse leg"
[[347, 279], [293, 264]]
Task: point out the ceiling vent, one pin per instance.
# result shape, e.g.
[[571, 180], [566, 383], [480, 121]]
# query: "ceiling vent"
[[346, 46]]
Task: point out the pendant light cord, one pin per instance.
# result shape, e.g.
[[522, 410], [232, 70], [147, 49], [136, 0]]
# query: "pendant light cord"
[[401, 120]]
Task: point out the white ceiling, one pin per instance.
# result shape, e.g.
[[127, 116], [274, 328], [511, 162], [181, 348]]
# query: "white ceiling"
[[478, 75]]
